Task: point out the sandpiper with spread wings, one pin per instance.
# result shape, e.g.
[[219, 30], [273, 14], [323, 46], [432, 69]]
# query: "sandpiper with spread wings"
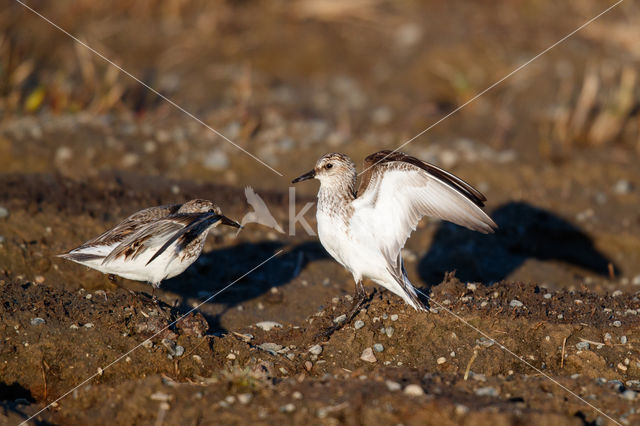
[[365, 230], [153, 244]]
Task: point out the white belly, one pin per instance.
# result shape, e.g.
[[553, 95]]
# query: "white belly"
[[353, 251]]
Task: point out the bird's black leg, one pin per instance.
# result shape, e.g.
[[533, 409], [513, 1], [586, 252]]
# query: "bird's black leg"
[[359, 297]]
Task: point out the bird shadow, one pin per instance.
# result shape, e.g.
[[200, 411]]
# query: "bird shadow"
[[15, 398], [215, 270], [525, 232]]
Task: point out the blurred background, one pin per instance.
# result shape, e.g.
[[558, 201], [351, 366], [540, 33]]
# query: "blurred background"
[[554, 147]]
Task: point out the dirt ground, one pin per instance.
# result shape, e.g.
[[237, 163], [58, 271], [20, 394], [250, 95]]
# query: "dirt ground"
[[536, 324]]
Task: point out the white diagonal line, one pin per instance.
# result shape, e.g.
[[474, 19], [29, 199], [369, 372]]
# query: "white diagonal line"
[[510, 352], [497, 83], [121, 357], [171, 102]]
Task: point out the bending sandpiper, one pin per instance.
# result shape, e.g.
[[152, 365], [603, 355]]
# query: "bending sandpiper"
[[365, 230], [153, 244]]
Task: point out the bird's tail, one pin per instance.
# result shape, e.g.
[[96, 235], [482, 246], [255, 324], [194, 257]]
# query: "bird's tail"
[[408, 294]]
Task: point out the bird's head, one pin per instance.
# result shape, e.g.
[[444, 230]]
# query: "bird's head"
[[331, 168]]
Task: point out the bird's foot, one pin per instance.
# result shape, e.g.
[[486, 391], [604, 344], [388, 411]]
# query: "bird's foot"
[[358, 301]]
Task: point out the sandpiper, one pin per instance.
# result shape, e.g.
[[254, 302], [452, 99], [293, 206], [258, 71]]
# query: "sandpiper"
[[365, 230], [153, 244]]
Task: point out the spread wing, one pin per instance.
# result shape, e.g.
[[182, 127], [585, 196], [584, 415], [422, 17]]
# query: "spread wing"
[[398, 190], [156, 234]]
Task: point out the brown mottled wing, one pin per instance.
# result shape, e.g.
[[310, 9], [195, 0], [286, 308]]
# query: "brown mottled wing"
[[132, 224], [188, 234], [386, 156], [152, 235]]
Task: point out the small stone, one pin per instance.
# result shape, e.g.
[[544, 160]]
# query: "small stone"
[[4, 213], [88, 325], [622, 187], [616, 293], [582, 346], [547, 296], [413, 390], [617, 324], [393, 386], [358, 324], [394, 317], [273, 348], [629, 394], [461, 409], [308, 365], [389, 331], [340, 319], [39, 279], [636, 280], [486, 391], [147, 344], [296, 395], [472, 286], [244, 398], [179, 350], [368, 356], [315, 350], [37, 321], [484, 342], [161, 396], [515, 303], [441, 360], [623, 340], [268, 325], [607, 336], [288, 408], [622, 367], [378, 347]]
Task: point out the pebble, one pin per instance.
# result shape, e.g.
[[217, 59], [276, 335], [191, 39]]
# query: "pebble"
[[308, 365], [378, 347], [270, 347], [389, 331], [441, 360], [161, 396], [623, 340], [296, 395], [636, 280], [582, 346], [315, 350], [179, 351], [413, 390], [486, 391], [616, 293], [483, 341], [547, 296], [268, 325], [622, 187], [39, 279], [358, 324], [231, 356], [3, 212], [394, 317], [368, 356], [288, 408], [147, 344], [37, 321], [88, 325], [472, 286], [617, 324], [515, 303], [340, 319], [393, 386], [629, 394], [244, 398]]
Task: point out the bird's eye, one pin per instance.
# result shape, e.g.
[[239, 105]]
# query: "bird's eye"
[[328, 166], [210, 211]]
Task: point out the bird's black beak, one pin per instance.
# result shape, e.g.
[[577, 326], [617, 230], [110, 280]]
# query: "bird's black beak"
[[306, 176], [226, 221]]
